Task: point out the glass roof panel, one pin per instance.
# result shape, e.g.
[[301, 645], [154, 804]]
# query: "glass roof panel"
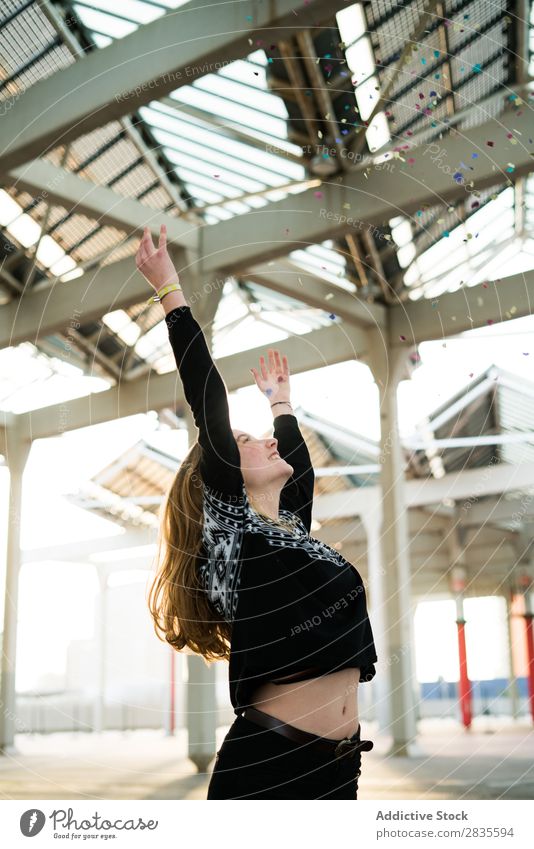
[[104, 23], [134, 10], [30, 380], [218, 111], [461, 255], [246, 116]]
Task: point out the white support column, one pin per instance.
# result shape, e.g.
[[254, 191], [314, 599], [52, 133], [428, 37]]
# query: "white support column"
[[389, 365], [372, 520], [101, 649], [16, 452], [201, 711]]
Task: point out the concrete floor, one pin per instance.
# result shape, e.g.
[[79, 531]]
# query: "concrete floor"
[[495, 760]]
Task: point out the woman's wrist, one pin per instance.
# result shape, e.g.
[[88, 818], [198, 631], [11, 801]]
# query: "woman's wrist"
[[172, 300], [279, 407]]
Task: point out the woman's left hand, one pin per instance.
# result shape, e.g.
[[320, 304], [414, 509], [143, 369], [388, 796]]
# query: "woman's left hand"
[[274, 380]]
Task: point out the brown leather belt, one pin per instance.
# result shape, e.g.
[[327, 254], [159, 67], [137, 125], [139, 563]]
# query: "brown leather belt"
[[349, 745]]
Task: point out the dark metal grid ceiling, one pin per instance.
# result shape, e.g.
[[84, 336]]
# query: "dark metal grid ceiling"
[[105, 156], [463, 57], [108, 156]]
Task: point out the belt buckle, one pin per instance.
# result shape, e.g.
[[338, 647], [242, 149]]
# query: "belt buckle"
[[345, 745]]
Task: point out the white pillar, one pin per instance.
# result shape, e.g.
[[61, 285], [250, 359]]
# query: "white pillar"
[[389, 365], [201, 711], [372, 521], [101, 649], [17, 451]]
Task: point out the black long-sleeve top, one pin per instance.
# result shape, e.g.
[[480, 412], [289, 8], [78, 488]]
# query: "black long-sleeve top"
[[297, 608]]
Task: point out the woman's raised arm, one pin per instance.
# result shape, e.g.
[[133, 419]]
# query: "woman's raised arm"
[[204, 388]]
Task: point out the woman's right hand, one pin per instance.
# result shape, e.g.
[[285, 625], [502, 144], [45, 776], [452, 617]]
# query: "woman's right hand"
[[155, 264]]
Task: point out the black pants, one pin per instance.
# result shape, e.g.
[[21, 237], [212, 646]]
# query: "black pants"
[[259, 763]]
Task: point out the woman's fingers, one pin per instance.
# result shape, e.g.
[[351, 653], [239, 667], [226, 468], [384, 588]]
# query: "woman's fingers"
[[277, 365], [263, 369], [286, 365], [162, 245]]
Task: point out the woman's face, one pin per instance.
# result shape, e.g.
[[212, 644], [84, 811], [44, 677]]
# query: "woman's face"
[[260, 462]]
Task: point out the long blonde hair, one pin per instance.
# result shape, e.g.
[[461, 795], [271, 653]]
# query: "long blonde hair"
[[180, 608]]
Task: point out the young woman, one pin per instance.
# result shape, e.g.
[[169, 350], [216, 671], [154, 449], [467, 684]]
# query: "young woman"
[[242, 579]]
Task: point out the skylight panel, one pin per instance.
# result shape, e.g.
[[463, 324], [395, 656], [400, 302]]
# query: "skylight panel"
[[30, 379], [141, 13], [101, 40], [252, 120], [199, 193], [214, 214], [401, 231], [331, 270], [214, 160], [406, 255], [245, 72], [261, 100], [200, 180], [257, 202], [152, 341], [351, 23], [360, 60], [377, 134], [120, 322], [9, 208], [259, 57], [367, 96], [49, 251], [25, 230], [66, 263], [104, 23], [187, 127]]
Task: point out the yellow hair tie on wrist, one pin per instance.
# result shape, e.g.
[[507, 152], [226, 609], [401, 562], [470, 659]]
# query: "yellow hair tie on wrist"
[[173, 287]]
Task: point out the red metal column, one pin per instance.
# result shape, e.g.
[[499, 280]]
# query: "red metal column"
[[464, 684]]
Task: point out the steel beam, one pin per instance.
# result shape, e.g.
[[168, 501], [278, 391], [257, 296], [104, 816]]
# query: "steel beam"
[[390, 189], [151, 62], [308, 351], [465, 309], [56, 185], [296, 282], [497, 479]]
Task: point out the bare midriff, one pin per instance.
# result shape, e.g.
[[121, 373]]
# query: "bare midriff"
[[326, 705]]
